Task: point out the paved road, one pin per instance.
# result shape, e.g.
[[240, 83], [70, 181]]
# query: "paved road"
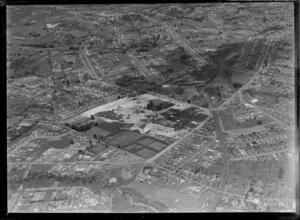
[[74, 162], [53, 95], [87, 60], [224, 156], [248, 83], [143, 70], [194, 156], [119, 35], [261, 154]]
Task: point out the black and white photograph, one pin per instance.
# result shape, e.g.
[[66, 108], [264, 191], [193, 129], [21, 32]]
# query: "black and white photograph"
[[151, 108]]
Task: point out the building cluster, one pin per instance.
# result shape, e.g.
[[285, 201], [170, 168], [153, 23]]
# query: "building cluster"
[[152, 174], [205, 168], [250, 143], [245, 113], [19, 130], [182, 151], [57, 199], [208, 129]]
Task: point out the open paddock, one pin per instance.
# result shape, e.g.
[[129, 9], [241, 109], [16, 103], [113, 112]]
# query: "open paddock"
[[228, 122]]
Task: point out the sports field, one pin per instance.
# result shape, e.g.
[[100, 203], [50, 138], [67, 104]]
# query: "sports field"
[[124, 138], [59, 144], [171, 197], [146, 147]]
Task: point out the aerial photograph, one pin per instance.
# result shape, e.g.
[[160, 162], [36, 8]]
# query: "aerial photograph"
[[151, 108]]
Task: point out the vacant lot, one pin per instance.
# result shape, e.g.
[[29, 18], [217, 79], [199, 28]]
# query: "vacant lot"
[[146, 153], [61, 143]]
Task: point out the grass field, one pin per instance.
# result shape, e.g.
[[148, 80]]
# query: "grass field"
[[37, 168], [37, 176], [171, 197], [141, 151], [228, 122], [152, 143], [17, 170], [133, 147], [97, 131], [28, 153], [121, 204], [249, 124], [146, 153], [157, 146], [124, 138], [146, 141], [145, 147], [59, 144]]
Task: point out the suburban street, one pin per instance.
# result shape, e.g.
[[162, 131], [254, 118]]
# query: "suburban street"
[[142, 69], [254, 77], [89, 65], [224, 156], [176, 142]]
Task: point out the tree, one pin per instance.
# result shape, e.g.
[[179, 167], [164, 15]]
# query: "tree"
[[179, 90], [150, 105], [95, 136], [92, 117], [237, 85], [184, 57], [169, 70], [259, 122], [264, 19]]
